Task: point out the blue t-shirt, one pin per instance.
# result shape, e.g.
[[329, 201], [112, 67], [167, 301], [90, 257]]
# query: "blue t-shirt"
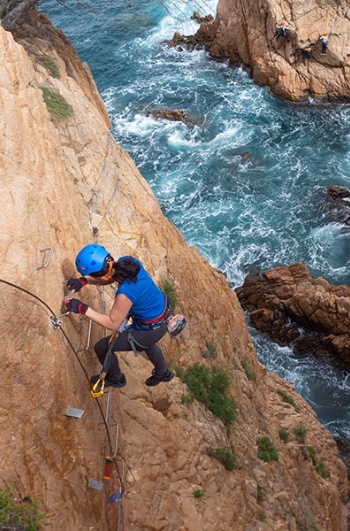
[[148, 301]]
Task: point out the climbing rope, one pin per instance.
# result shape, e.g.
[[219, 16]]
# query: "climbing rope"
[[54, 318]]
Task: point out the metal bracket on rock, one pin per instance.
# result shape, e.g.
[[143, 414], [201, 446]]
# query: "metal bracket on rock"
[[45, 263], [57, 321]]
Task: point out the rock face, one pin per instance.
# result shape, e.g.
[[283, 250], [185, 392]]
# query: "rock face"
[[283, 300], [246, 32], [65, 183]]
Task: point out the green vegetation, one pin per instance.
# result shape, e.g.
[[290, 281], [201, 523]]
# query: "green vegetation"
[[170, 291], [260, 493], [15, 514], [304, 525], [248, 370], [286, 398], [198, 493], [312, 453], [266, 450], [210, 386], [321, 469], [319, 465], [225, 457], [300, 433], [56, 104], [210, 350], [262, 516], [51, 66], [284, 435]]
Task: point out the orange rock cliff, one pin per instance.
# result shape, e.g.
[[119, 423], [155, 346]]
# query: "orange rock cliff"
[[247, 32], [65, 183]]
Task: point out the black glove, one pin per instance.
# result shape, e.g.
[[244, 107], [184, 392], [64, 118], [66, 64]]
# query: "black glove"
[[76, 283], [76, 306]]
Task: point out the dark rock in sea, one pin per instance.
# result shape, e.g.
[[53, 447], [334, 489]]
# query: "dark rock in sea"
[[293, 308], [337, 205], [175, 115], [200, 19]]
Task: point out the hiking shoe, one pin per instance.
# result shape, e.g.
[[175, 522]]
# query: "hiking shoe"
[[155, 380], [111, 383]]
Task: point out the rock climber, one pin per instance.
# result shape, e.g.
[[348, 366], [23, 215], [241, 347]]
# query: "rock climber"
[[324, 40], [138, 297], [282, 31], [307, 53]]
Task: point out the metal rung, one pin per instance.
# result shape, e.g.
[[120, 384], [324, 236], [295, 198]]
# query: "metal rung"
[[87, 339], [74, 412], [46, 262]]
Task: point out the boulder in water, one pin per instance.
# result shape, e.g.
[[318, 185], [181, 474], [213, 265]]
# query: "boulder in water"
[[337, 206], [295, 309]]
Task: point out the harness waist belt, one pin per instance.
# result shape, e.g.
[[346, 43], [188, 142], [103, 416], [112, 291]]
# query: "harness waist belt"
[[160, 318]]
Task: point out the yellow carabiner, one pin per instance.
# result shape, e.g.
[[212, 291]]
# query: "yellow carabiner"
[[97, 389]]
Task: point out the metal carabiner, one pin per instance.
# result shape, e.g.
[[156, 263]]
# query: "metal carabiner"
[[98, 388]]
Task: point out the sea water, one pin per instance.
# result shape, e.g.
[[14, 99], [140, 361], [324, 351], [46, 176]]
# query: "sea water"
[[245, 181]]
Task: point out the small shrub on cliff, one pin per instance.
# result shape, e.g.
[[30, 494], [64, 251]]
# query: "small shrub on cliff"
[[210, 386], [284, 435], [262, 516], [266, 450], [210, 351], [319, 465], [288, 399], [300, 433], [225, 457], [56, 104], [198, 493], [51, 66], [170, 291], [248, 370], [18, 514]]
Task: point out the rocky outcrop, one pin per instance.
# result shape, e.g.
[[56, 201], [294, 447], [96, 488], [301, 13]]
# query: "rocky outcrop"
[[337, 206], [65, 183], [296, 309], [246, 32]]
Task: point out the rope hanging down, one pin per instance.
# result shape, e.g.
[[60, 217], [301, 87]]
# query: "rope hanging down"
[[55, 319]]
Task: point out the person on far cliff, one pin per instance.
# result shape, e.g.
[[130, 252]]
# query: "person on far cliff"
[[307, 53], [324, 40], [138, 297], [282, 31]]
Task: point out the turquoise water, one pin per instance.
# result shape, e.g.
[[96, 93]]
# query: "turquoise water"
[[246, 183]]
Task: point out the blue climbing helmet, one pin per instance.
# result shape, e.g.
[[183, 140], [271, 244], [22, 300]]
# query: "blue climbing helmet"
[[93, 260]]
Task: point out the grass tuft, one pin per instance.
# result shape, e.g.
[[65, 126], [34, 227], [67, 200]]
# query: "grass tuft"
[[266, 450], [284, 435], [210, 386], [226, 458], [288, 399], [170, 291], [51, 66], [247, 369], [57, 106], [198, 493], [16, 514]]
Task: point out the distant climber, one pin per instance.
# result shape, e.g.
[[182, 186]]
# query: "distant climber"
[[137, 297], [282, 31], [307, 53], [324, 40]]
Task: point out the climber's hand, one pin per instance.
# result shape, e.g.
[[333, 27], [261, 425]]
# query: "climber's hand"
[[76, 283], [76, 306]]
